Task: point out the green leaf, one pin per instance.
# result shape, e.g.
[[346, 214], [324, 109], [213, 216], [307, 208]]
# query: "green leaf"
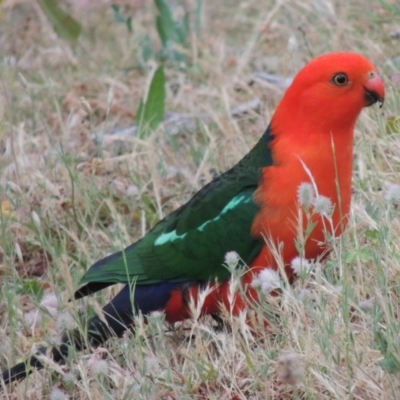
[[390, 364], [146, 48], [165, 24], [151, 109], [182, 28], [161, 31], [129, 24], [380, 342], [366, 254], [118, 16], [33, 287], [372, 233], [64, 25]]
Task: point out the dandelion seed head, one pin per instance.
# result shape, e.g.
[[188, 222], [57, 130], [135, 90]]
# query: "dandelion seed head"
[[267, 280], [392, 194], [65, 322], [57, 394], [301, 265], [305, 194], [100, 367], [323, 205]]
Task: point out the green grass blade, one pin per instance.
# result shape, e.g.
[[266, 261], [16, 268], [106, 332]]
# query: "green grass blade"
[[151, 109], [64, 25]]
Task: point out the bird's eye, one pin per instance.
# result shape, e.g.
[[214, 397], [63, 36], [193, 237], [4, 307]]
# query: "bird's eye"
[[340, 79]]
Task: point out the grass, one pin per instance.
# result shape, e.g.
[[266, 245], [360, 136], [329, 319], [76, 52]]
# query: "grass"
[[68, 200]]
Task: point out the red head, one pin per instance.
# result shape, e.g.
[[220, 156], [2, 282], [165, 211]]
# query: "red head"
[[329, 94]]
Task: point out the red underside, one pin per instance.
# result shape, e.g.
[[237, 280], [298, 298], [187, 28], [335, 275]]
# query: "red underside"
[[210, 300]]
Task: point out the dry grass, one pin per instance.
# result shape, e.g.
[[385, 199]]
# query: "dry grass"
[[67, 200]]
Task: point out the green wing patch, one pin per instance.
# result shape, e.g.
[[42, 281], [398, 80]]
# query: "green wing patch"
[[191, 242]]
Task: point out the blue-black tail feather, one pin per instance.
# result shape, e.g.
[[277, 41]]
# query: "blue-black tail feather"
[[118, 314]]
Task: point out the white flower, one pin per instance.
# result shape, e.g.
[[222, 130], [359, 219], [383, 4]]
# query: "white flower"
[[301, 265], [172, 171], [33, 319], [305, 194], [231, 259], [132, 190], [100, 367], [69, 378], [323, 205], [392, 194], [267, 280], [156, 319], [65, 322], [156, 314], [50, 303], [57, 394]]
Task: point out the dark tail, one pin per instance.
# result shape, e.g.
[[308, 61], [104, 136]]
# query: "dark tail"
[[118, 314]]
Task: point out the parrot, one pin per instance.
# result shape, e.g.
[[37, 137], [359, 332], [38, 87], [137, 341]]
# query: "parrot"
[[250, 209]]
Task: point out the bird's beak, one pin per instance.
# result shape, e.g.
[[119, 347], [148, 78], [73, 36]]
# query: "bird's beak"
[[374, 90]]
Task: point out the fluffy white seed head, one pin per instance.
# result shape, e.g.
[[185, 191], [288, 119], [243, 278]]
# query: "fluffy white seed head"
[[33, 319], [65, 322], [100, 367], [57, 394], [305, 194], [69, 377], [323, 205], [267, 280], [50, 303], [301, 265], [392, 194], [231, 259], [156, 314]]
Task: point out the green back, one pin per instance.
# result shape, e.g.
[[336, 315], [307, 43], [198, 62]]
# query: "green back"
[[191, 242]]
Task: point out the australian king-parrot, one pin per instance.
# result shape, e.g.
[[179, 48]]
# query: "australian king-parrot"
[[249, 209]]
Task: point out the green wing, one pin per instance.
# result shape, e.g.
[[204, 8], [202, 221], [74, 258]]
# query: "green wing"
[[191, 242]]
